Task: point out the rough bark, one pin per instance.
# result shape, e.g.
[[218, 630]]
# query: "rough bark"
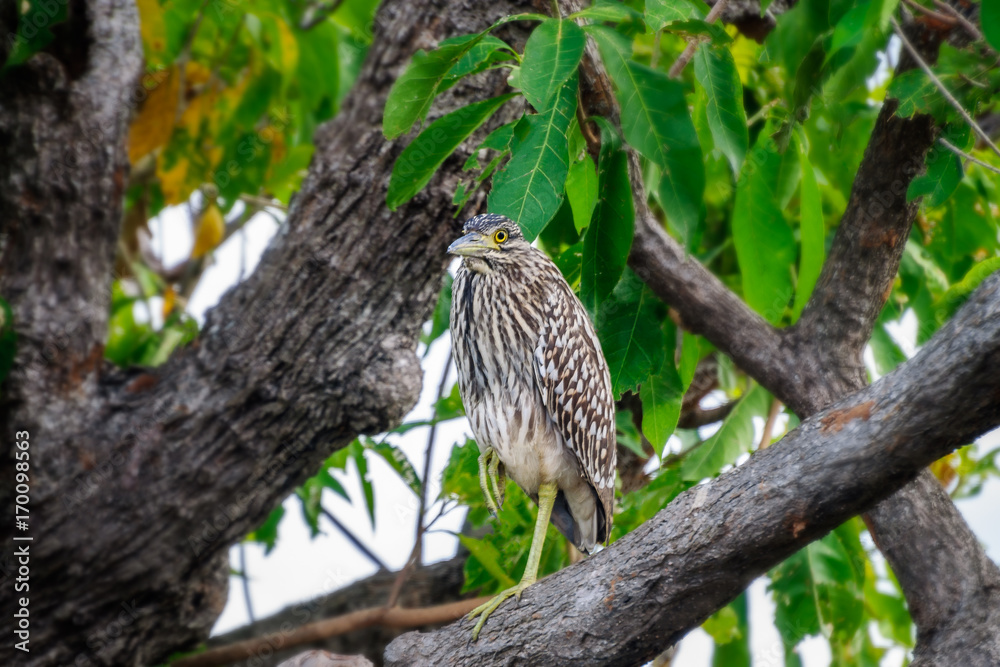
[[141, 479], [644, 592]]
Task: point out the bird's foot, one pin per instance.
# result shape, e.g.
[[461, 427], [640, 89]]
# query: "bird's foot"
[[484, 610], [491, 474]]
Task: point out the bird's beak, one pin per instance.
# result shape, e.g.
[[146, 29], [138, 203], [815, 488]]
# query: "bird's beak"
[[472, 244]]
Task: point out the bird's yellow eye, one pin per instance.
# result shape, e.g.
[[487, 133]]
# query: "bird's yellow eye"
[[500, 236]]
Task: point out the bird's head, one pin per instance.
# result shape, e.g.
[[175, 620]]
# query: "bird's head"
[[489, 240]]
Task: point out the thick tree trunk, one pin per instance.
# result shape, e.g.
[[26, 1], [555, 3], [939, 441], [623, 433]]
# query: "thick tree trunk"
[[142, 479]]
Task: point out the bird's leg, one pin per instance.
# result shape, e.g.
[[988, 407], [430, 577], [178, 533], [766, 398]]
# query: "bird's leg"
[[498, 479], [487, 468], [546, 499]]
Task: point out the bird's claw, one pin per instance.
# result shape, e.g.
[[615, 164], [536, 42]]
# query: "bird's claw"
[[491, 474], [484, 610]]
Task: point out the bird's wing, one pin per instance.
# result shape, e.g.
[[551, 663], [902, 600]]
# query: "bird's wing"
[[574, 382]]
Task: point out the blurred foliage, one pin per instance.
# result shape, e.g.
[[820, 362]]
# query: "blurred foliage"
[[222, 129]]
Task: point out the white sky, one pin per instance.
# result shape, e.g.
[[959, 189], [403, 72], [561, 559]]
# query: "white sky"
[[300, 568]]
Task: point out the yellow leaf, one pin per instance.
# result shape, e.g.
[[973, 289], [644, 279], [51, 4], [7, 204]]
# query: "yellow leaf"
[[173, 180], [169, 301], [154, 123], [152, 26], [746, 53], [944, 468], [211, 227], [287, 46]]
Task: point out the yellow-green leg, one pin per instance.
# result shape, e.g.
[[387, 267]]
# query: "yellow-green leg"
[[492, 474], [546, 499]]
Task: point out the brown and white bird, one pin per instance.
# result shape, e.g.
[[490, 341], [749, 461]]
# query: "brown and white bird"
[[536, 388]]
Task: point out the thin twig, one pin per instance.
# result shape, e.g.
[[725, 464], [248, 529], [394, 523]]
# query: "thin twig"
[[772, 417], [313, 16], [246, 581], [681, 455], [428, 452], [699, 416], [358, 544], [396, 617], [969, 26], [958, 151], [941, 87], [948, 20], [417, 552], [695, 42], [263, 202]]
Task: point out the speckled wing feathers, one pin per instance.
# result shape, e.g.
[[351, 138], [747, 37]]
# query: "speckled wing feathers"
[[575, 384]]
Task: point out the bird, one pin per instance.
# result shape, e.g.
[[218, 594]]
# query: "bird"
[[536, 389]]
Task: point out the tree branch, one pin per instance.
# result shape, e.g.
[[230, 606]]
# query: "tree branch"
[[643, 593], [392, 617]]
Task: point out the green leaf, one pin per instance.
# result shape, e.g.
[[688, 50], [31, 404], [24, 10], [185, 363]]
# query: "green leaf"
[[450, 406], [661, 12], [731, 633], [715, 70], [460, 478], [267, 533], [734, 437], [812, 234], [399, 462], [420, 160], [989, 19], [609, 237], [944, 169], [960, 291], [551, 56], [311, 497], [820, 588], [661, 395], [529, 190], [849, 30], [915, 92], [411, 95], [690, 356], [357, 454], [488, 556], [441, 318], [628, 326], [765, 247], [656, 122], [612, 11], [34, 33], [430, 73], [486, 52], [581, 190]]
